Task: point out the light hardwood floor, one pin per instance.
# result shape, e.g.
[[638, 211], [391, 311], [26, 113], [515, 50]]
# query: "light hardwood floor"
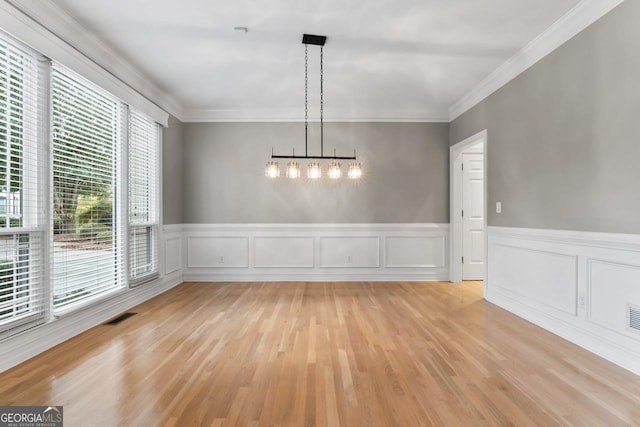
[[324, 354]]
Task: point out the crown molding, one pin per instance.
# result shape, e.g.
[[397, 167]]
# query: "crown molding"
[[48, 19], [571, 23], [296, 115]]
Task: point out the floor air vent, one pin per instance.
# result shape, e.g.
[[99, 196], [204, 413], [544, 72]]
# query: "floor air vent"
[[633, 317], [125, 316]]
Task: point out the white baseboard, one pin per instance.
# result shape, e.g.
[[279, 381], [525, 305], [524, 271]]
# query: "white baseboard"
[[575, 284], [315, 252], [434, 276]]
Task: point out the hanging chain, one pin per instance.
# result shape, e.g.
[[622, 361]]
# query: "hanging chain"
[[306, 98], [321, 84], [321, 105], [306, 84]]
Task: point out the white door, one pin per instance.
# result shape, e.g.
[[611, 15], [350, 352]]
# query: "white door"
[[472, 216]]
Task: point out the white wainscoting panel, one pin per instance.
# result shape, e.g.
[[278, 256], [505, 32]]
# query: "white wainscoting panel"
[[283, 252], [350, 252], [316, 252], [219, 252], [575, 284], [171, 251], [549, 278], [608, 299], [172, 254], [415, 251]]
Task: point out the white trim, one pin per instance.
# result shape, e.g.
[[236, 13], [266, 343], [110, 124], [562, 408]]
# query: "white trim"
[[346, 276], [171, 228], [297, 115], [582, 238], [570, 24], [455, 204], [178, 266], [48, 29], [245, 227], [548, 278]]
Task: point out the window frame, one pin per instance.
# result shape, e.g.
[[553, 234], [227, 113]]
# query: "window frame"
[[32, 190], [118, 193], [154, 202]]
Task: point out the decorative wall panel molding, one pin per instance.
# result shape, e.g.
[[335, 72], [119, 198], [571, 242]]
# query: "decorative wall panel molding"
[[608, 299], [283, 252], [349, 252], [316, 252], [172, 254], [578, 285], [415, 251], [172, 250], [218, 251], [547, 278]]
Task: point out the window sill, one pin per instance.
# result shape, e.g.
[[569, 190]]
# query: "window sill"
[[134, 283]]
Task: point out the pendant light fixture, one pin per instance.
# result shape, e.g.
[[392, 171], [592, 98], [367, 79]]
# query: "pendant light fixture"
[[293, 170], [314, 168]]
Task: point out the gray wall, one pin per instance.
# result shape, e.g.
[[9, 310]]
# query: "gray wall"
[[172, 172], [563, 143], [405, 174]]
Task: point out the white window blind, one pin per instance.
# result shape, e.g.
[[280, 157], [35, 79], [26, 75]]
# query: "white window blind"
[[22, 296], [87, 245], [144, 141]]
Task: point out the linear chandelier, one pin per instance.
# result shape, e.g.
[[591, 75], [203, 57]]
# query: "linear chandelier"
[[314, 168]]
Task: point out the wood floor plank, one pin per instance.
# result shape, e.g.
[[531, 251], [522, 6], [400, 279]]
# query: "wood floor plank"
[[324, 354]]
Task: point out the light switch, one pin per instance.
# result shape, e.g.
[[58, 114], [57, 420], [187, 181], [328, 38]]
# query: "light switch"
[[498, 207]]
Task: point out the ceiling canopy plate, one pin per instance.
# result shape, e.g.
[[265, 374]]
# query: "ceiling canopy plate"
[[313, 39]]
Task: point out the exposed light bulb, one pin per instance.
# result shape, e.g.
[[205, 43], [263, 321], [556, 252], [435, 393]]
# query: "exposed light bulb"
[[272, 170], [355, 171], [293, 170], [334, 171], [314, 171]]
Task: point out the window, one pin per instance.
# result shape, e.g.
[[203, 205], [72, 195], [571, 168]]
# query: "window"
[[79, 190], [144, 138], [21, 267], [87, 243]]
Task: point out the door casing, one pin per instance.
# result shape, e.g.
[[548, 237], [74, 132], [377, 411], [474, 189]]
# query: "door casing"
[[455, 205]]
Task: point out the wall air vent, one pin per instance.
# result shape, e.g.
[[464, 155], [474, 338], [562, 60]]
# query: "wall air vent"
[[633, 318]]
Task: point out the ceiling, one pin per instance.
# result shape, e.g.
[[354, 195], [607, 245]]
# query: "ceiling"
[[385, 59]]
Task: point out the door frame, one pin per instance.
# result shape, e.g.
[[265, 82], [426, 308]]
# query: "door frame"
[[455, 205]]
